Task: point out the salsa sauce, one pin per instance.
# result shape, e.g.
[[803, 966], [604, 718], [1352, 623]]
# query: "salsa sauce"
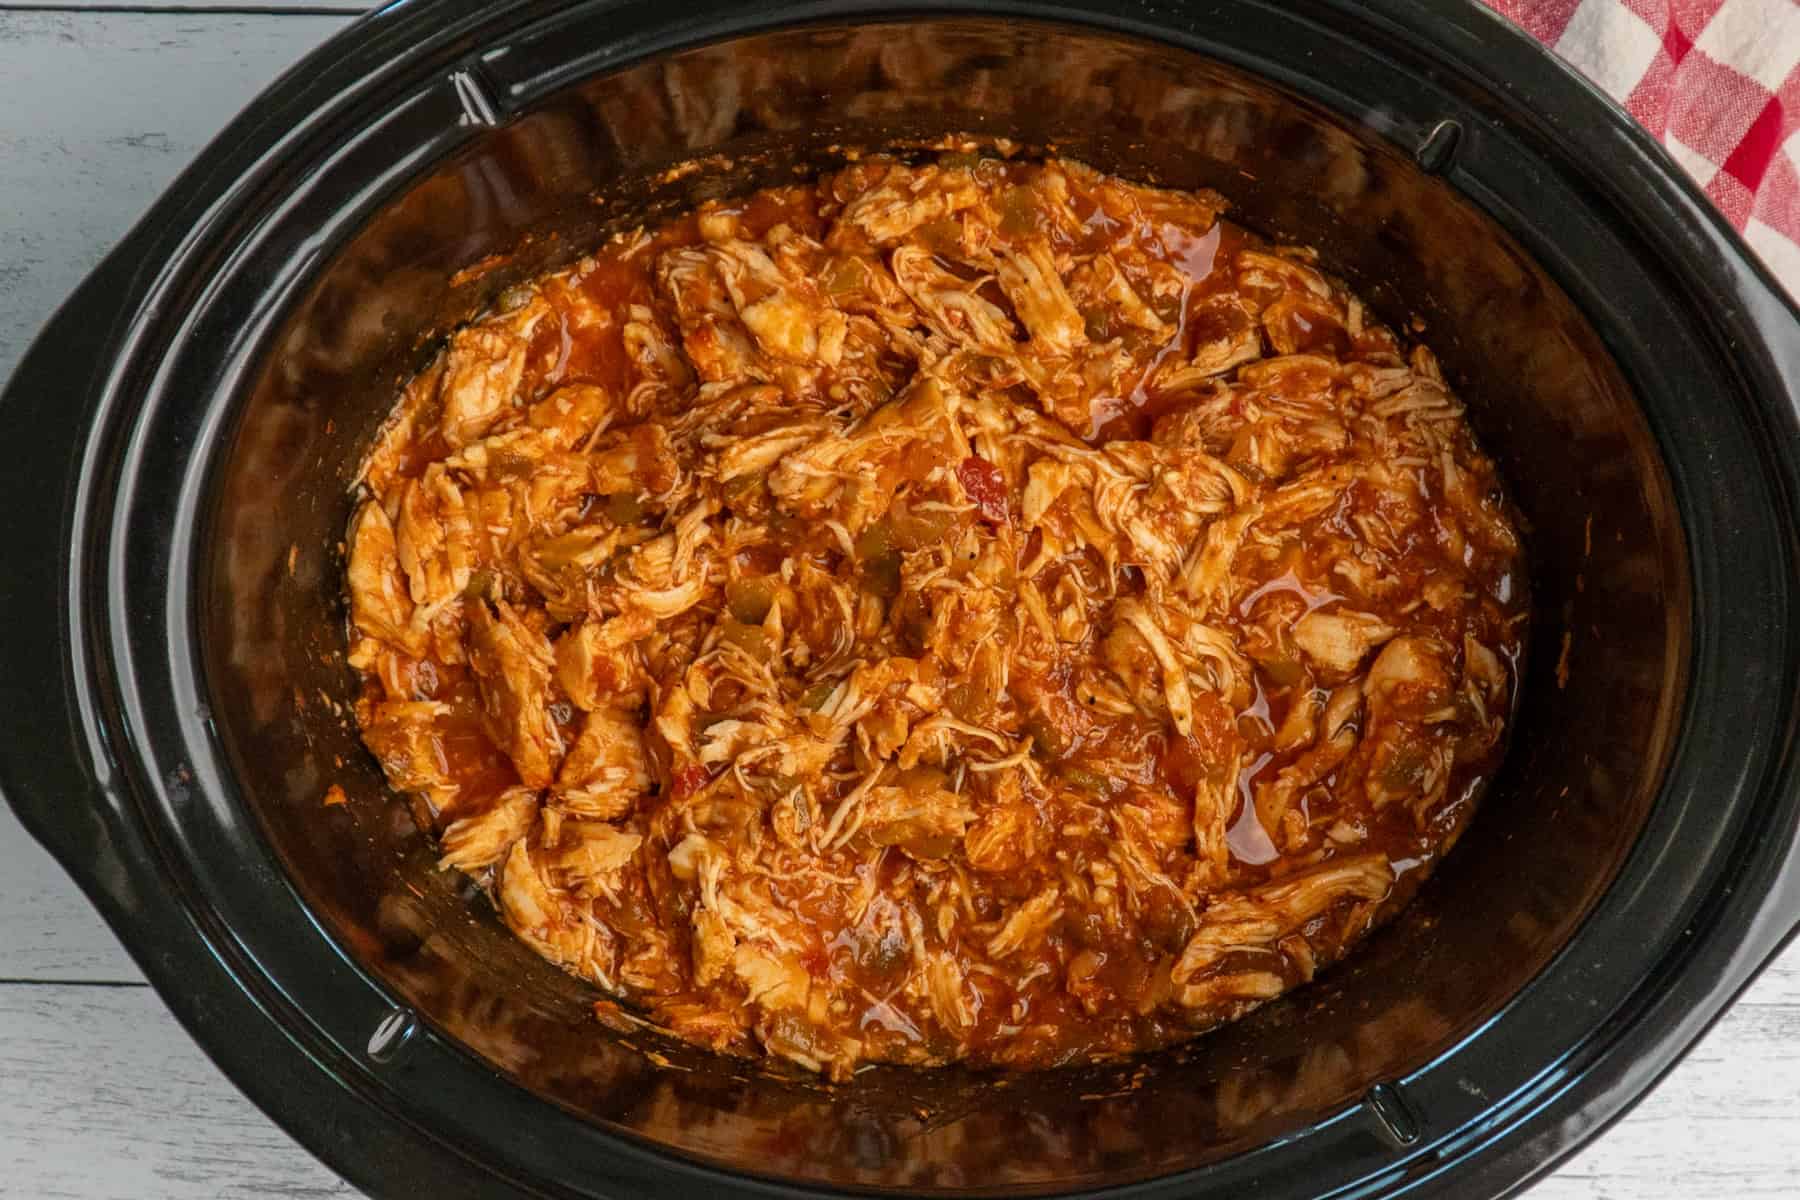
[[983, 610]]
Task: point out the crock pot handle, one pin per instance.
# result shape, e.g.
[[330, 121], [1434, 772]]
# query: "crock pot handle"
[[51, 771], [1775, 314]]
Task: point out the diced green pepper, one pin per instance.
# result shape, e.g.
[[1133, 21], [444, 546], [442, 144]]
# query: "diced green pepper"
[[915, 528], [846, 276], [875, 541], [515, 297], [1086, 780], [942, 236], [748, 638], [1047, 741], [480, 585], [750, 599], [624, 508], [880, 560], [1019, 212], [881, 575]]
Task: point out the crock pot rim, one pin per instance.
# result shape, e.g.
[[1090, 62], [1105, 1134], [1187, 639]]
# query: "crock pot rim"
[[112, 849]]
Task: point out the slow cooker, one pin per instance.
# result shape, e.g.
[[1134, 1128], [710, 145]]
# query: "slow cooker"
[[173, 667]]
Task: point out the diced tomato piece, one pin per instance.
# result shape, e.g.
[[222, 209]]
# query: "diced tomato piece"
[[986, 487], [690, 779]]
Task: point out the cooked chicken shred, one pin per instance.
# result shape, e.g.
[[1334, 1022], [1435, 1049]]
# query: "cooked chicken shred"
[[977, 610]]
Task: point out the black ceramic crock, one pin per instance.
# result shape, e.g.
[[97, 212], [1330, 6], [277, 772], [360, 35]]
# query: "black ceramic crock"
[[172, 663]]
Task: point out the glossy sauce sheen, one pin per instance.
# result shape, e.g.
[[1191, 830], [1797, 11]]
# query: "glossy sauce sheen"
[[976, 611]]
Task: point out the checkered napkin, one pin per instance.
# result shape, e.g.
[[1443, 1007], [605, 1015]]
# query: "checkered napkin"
[[1717, 80]]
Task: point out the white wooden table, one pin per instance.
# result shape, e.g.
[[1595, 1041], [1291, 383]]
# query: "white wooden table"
[[101, 1093]]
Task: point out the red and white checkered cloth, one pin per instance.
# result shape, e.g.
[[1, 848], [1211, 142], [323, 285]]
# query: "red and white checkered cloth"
[[1717, 80]]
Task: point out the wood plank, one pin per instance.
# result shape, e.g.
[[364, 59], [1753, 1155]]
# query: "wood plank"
[[258, 7], [48, 931], [104, 109], [1725, 1125], [105, 1097], [82, 163]]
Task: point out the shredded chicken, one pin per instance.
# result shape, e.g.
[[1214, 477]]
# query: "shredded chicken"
[[970, 610]]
